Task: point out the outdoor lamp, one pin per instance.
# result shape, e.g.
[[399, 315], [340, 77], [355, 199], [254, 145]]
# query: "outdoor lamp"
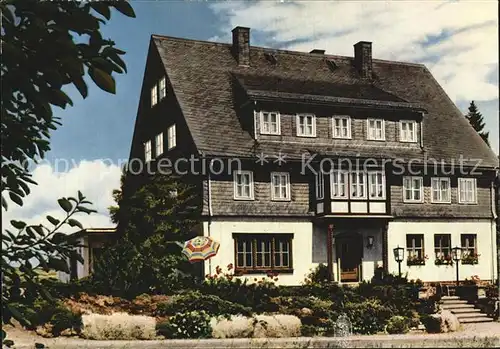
[[456, 254], [370, 242], [399, 255]]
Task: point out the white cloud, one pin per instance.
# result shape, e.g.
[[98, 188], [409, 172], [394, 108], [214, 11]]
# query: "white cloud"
[[458, 41], [95, 179]]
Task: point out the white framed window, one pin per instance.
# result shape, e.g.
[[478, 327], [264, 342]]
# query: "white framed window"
[[320, 186], [159, 144], [163, 88], [358, 185], [375, 129], [376, 182], [338, 186], [441, 191], [407, 131], [243, 185], [270, 123], [413, 189], [171, 137], [306, 125], [467, 190], [147, 151], [341, 127], [280, 186], [154, 95]]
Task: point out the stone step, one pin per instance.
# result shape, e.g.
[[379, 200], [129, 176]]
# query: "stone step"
[[470, 315], [474, 320], [464, 310], [457, 306], [454, 301], [444, 298]]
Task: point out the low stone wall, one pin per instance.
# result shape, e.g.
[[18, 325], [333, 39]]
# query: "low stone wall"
[[378, 341]]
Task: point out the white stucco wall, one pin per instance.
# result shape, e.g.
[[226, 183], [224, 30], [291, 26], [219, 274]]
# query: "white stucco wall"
[[486, 245], [222, 230]]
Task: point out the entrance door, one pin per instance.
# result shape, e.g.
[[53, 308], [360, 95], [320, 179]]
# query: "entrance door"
[[349, 250]]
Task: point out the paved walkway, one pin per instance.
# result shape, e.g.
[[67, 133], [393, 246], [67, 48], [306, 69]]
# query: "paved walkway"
[[485, 335]]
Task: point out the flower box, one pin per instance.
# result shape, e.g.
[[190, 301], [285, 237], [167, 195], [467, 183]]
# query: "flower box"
[[415, 262], [443, 261], [472, 258]]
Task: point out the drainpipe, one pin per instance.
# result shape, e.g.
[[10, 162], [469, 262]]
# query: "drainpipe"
[[493, 232], [209, 185], [422, 131]]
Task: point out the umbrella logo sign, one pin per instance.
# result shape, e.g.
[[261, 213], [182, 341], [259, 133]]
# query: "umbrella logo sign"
[[200, 248]]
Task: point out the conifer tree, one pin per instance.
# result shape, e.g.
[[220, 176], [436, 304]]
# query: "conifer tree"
[[476, 120]]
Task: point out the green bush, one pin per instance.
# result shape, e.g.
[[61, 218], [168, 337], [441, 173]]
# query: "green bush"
[[368, 316], [256, 295], [211, 304], [432, 324], [63, 319], [308, 331], [397, 325], [43, 312], [194, 324]]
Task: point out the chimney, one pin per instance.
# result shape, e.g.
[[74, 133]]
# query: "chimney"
[[241, 45], [363, 59]]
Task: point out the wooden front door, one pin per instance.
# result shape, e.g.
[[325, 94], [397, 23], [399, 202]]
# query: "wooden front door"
[[349, 251]]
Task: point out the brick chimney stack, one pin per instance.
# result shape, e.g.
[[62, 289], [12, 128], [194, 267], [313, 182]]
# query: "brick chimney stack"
[[363, 59], [241, 45]]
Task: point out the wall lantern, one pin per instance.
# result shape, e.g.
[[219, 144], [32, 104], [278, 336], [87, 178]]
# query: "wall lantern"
[[399, 255], [369, 243], [456, 254]]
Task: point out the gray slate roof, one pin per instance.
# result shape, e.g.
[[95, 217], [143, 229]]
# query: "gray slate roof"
[[201, 74]]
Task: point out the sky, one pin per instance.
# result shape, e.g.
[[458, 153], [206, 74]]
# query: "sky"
[[456, 40]]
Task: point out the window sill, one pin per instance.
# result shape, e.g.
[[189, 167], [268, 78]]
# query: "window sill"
[[281, 200], [270, 134], [441, 202], [244, 199], [349, 138], [413, 202], [239, 272], [307, 136], [467, 203], [402, 141], [376, 140]]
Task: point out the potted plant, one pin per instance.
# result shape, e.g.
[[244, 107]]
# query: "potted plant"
[[416, 260], [471, 258], [443, 259]]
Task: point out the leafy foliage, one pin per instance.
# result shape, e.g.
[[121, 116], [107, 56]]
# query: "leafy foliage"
[[46, 46], [211, 304], [151, 221], [397, 325], [476, 120], [368, 316], [26, 249], [257, 295], [41, 312], [193, 324]]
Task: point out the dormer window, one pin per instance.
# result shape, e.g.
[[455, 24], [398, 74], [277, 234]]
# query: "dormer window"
[[341, 127], [376, 129], [270, 123], [306, 125], [408, 131]]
